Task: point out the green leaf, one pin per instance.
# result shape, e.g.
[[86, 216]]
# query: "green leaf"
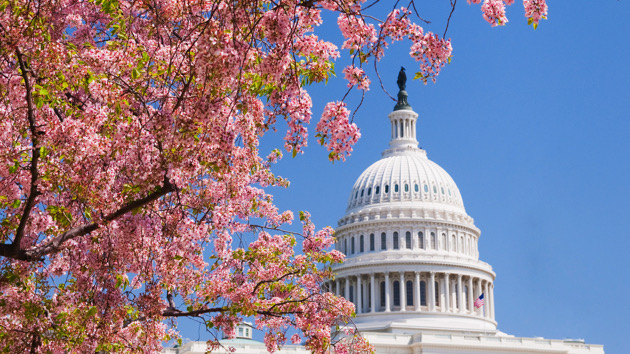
[[418, 75], [16, 203], [39, 102], [13, 168], [530, 21], [92, 311], [535, 26], [135, 73]]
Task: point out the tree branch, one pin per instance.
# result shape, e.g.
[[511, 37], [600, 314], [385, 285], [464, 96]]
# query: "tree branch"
[[30, 201], [171, 312], [54, 245]]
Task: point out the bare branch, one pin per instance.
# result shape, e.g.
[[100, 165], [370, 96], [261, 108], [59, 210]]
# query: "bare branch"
[[30, 201], [448, 21], [54, 245]]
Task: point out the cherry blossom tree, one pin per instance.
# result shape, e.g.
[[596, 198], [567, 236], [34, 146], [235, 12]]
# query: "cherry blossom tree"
[[132, 187]]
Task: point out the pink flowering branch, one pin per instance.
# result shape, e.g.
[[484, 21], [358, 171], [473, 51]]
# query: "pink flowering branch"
[[55, 245]]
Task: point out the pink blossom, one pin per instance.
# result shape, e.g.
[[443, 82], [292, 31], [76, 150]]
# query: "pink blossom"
[[336, 132], [494, 12], [535, 10]]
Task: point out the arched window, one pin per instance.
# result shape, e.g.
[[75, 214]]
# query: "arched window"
[[461, 244], [371, 242], [434, 189], [416, 188], [444, 242], [395, 188], [406, 187], [433, 241], [377, 190], [420, 240], [423, 293], [408, 240], [352, 245], [386, 189], [382, 294], [356, 195], [369, 190], [395, 240], [442, 188], [426, 188], [409, 292], [396, 293], [383, 241], [361, 244], [362, 192], [453, 243]]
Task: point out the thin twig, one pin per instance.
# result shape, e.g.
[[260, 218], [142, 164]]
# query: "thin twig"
[[448, 21]]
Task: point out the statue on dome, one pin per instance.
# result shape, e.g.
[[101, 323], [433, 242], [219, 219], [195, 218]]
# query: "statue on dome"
[[402, 94], [402, 79]]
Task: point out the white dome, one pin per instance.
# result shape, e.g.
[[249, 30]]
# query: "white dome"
[[405, 176]]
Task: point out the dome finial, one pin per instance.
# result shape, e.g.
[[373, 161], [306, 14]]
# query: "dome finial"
[[402, 94]]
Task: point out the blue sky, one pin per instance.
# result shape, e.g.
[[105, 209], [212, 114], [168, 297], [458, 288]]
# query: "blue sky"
[[534, 127]]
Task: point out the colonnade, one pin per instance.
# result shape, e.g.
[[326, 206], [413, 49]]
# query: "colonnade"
[[416, 291], [404, 128]]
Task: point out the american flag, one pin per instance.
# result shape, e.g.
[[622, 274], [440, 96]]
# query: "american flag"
[[479, 302]]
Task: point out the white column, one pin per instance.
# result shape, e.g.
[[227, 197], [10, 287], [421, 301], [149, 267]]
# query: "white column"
[[372, 294], [432, 292], [346, 290], [447, 294], [460, 295], [491, 303], [359, 295], [403, 293], [337, 292], [387, 305], [479, 310], [416, 295], [470, 296], [487, 302]]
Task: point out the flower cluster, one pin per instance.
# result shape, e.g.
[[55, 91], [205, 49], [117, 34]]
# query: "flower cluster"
[[535, 10], [356, 76], [336, 132], [494, 12], [432, 52]]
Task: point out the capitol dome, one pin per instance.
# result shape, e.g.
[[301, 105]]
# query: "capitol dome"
[[411, 177], [412, 262]]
